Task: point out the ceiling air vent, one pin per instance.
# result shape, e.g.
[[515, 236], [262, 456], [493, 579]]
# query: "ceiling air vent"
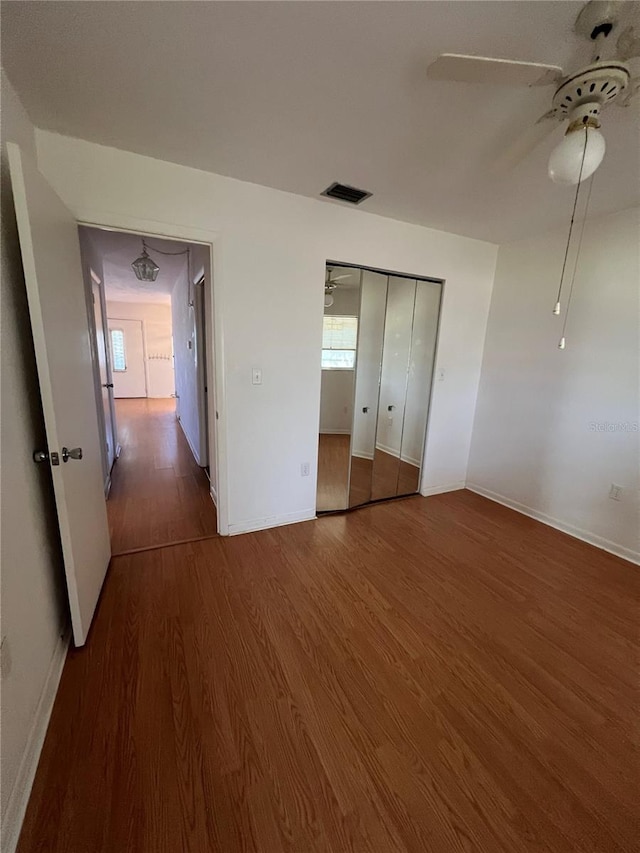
[[345, 193]]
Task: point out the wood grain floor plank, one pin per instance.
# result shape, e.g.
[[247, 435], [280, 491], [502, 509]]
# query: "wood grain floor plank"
[[436, 675], [159, 495]]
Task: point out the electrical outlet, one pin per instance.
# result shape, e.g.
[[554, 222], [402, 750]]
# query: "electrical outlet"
[[615, 492], [305, 469]]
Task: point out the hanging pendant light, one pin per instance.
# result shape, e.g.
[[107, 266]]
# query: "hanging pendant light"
[[145, 268]]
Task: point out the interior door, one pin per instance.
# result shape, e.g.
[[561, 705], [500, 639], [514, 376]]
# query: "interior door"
[[53, 275], [106, 383], [127, 358]]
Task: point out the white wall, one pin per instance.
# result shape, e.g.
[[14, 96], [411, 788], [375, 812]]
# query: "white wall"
[[33, 593], [188, 353], [157, 344], [336, 401], [269, 261], [545, 433]]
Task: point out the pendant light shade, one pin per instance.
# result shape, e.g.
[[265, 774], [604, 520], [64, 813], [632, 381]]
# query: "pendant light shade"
[[144, 267]]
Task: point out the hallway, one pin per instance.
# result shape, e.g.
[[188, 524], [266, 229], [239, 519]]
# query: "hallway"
[[159, 495]]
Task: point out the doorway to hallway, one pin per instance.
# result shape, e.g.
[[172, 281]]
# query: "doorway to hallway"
[[161, 487]]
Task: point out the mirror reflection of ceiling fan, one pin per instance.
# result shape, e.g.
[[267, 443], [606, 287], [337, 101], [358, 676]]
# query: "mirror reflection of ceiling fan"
[[330, 284], [579, 97]]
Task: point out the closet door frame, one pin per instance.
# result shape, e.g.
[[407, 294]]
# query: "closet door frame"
[[418, 279]]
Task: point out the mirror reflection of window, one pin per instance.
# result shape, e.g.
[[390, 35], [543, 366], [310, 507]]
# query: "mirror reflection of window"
[[340, 332], [339, 342]]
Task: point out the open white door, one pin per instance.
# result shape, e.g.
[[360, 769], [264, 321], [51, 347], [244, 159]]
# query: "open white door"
[[55, 291]]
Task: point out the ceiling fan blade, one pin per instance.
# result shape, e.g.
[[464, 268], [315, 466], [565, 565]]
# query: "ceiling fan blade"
[[527, 141], [484, 69], [340, 277]]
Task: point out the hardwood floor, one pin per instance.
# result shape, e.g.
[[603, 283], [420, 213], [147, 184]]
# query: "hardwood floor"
[[436, 675], [333, 472], [383, 477], [159, 494]]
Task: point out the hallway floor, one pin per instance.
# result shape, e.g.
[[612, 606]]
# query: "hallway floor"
[[159, 495], [434, 675]]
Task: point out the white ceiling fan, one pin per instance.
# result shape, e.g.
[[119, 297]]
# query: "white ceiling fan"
[[579, 97], [330, 284]]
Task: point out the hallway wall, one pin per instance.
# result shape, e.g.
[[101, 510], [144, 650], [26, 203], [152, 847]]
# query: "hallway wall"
[[189, 356]]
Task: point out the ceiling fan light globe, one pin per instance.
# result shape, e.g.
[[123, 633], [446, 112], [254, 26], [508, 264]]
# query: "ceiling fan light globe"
[[328, 300], [566, 158]]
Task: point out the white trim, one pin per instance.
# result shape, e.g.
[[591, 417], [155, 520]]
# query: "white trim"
[[184, 432], [96, 218], [335, 432], [19, 797], [440, 490], [271, 521], [403, 457], [576, 532], [368, 456], [214, 495]]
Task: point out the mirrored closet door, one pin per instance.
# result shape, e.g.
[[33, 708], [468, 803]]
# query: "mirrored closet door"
[[378, 352]]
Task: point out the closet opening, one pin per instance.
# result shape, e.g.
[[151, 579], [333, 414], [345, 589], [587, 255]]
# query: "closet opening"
[[379, 343]]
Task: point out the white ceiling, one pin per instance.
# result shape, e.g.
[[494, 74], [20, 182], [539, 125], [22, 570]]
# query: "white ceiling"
[[295, 95], [118, 249]]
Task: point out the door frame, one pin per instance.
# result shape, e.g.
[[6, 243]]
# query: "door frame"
[[214, 341], [417, 278], [90, 278]]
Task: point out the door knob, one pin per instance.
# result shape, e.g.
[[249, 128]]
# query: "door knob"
[[74, 453], [41, 456], [108, 385]]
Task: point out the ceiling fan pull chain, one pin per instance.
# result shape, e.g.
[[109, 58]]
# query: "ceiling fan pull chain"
[[556, 309], [561, 345]]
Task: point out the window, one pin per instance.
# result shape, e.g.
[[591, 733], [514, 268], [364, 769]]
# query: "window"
[[339, 340], [118, 359]]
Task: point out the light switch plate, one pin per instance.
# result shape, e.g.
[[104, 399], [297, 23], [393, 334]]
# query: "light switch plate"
[[256, 376]]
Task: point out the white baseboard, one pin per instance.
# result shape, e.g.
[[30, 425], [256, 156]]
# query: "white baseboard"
[[271, 521], [19, 797], [214, 495], [335, 432], [440, 490], [368, 456], [403, 457], [576, 532], [184, 432]]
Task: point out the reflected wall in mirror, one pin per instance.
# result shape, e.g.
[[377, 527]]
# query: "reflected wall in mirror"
[[339, 345]]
